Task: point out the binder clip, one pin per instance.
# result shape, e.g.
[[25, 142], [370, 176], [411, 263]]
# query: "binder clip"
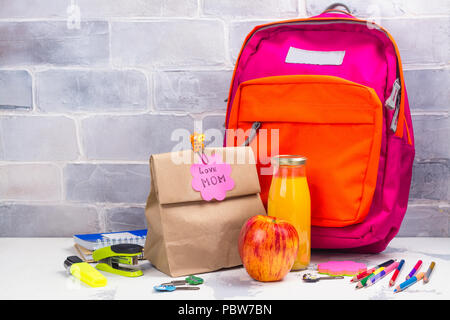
[[110, 257], [198, 146]]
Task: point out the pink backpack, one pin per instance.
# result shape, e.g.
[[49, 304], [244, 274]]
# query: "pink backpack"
[[350, 52]]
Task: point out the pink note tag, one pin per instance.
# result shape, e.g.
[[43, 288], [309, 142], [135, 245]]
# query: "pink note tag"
[[212, 179], [341, 268]]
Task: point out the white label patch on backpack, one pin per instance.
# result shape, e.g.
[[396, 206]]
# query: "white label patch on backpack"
[[296, 55]]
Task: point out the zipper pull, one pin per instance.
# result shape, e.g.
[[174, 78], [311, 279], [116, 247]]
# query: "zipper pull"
[[255, 127], [394, 121], [392, 99]]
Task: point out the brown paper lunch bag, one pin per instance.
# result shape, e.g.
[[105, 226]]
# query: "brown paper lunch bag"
[[188, 235]]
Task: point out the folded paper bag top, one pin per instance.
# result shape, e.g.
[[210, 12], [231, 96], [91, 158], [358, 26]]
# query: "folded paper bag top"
[[172, 168], [187, 235]]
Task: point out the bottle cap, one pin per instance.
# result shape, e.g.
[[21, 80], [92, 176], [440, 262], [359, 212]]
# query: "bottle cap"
[[288, 160]]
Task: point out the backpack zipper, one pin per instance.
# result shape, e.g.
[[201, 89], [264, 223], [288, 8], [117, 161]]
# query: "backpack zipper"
[[394, 121], [254, 130], [391, 101]]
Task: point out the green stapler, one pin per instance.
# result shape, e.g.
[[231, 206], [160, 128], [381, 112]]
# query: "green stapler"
[[110, 257]]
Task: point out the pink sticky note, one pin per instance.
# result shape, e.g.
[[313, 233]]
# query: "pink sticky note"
[[341, 268], [212, 179]]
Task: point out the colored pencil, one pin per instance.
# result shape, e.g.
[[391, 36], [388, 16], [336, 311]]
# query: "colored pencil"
[[415, 269], [426, 277], [382, 274], [363, 282], [363, 274], [371, 270], [409, 282], [396, 272]]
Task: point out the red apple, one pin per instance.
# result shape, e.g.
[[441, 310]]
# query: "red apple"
[[268, 247]]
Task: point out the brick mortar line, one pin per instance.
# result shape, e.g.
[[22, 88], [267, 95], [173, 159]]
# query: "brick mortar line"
[[68, 162], [444, 113], [110, 58], [97, 205], [80, 145], [226, 36], [177, 113], [413, 203], [102, 218], [63, 163], [207, 17], [85, 115], [63, 190], [237, 19], [117, 19], [181, 68], [82, 115], [418, 203], [192, 68], [301, 7], [44, 203], [151, 103], [142, 68], [199, 8], [34, 90], [425, 67]]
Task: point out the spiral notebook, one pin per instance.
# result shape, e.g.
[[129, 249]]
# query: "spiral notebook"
[[95, 241]]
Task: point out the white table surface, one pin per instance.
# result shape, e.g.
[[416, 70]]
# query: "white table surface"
[[32, 268]]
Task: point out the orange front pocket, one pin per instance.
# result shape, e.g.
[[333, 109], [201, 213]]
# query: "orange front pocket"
[[335, 123]]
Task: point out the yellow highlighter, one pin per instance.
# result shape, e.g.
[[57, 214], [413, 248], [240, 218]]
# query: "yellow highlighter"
[[84, 272]]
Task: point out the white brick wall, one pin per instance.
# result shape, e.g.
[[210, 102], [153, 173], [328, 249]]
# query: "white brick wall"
[[82, 109]]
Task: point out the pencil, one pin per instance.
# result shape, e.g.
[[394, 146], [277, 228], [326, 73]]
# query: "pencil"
[[363, 274], [382, 274], [409, 282], [415, 269], [371, 270], [426, 277], [363, 282], [396, 272]]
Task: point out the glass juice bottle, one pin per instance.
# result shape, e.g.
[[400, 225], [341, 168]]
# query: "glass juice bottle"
[[289, 199]]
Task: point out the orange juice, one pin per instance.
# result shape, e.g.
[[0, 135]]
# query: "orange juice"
[[289, 199]]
